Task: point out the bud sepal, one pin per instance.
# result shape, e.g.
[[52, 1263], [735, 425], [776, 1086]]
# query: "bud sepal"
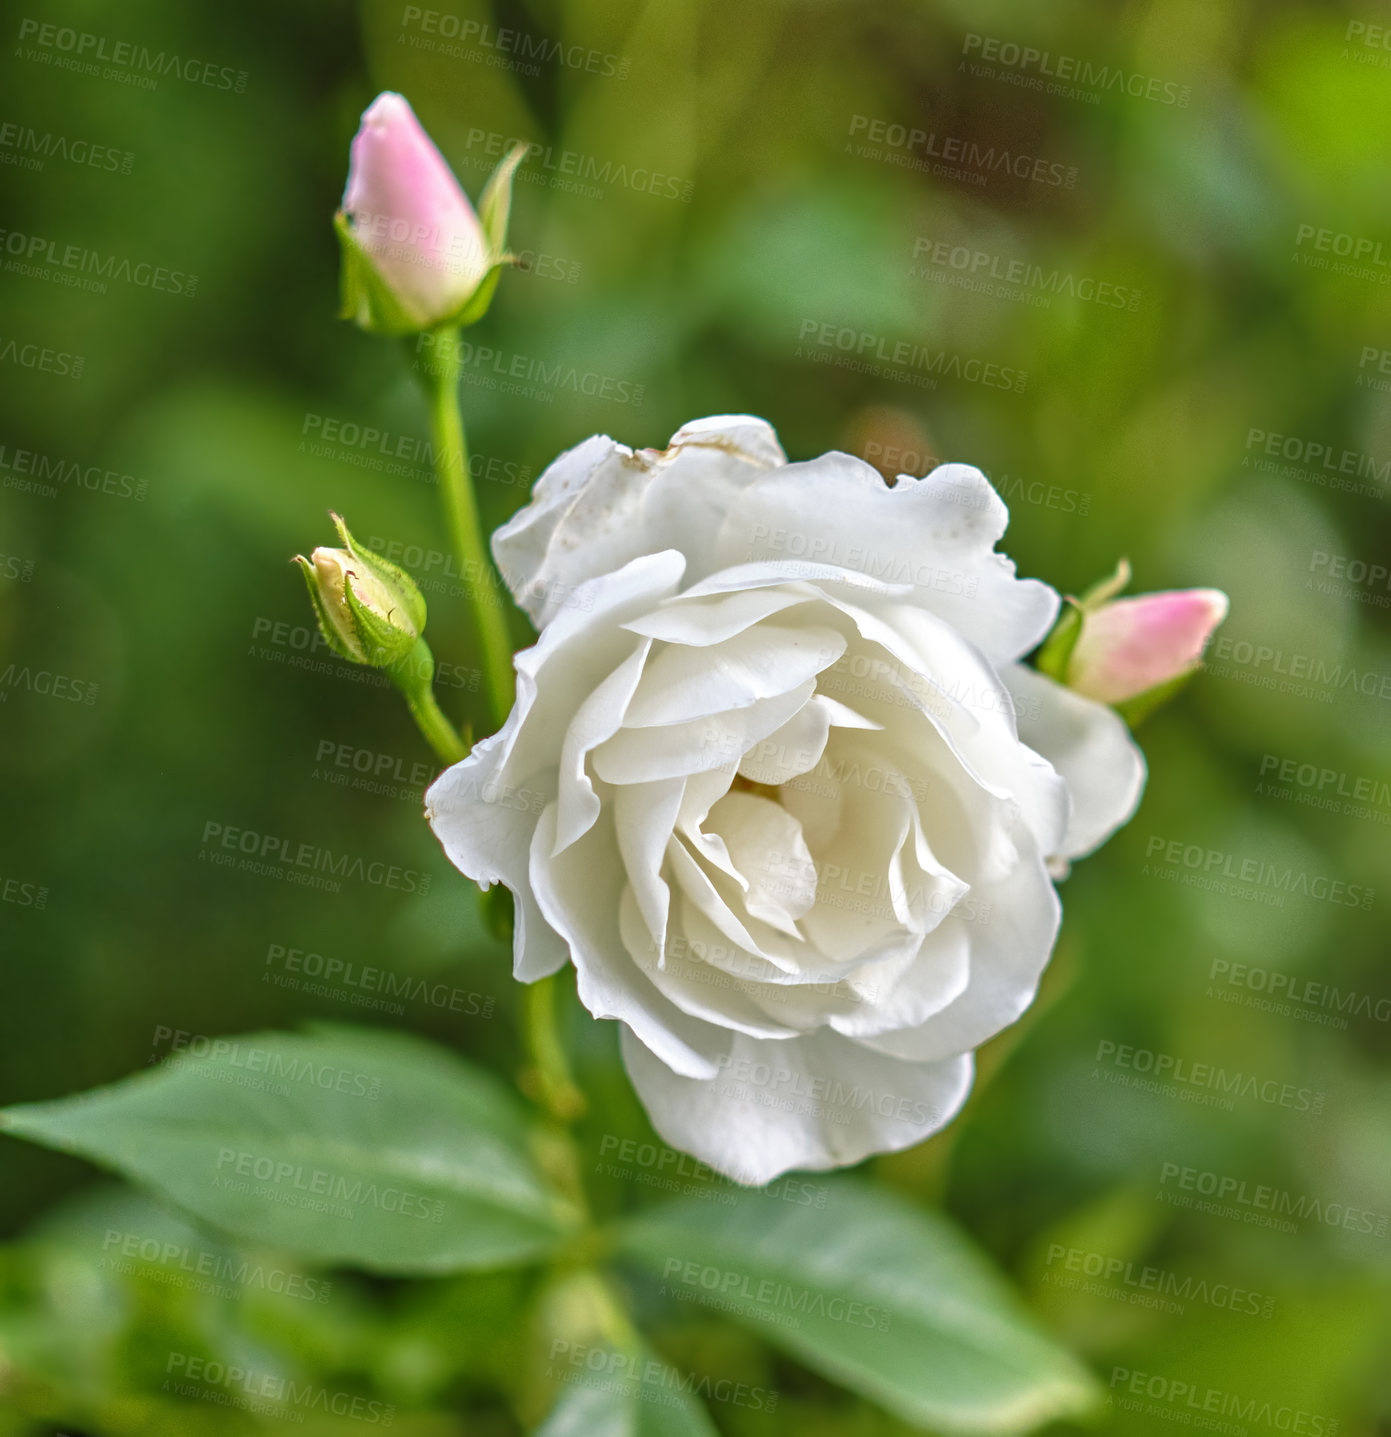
[[369, 610]]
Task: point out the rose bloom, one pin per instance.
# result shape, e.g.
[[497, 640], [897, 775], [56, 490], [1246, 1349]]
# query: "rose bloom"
[[779, 787]]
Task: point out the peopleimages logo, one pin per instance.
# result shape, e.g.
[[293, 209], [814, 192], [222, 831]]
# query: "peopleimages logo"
[[1261, 1199], [869, 353], [1349, 578], [317, 1189], [47, 684], [990, 273], [1032, 67], [649, 1379], [226, 1058], [510, 49], [1360, 249], [41, 358], [1112, 1276], [127, 62], [1273, 991], [1216, 863], [364, 984], [40, 257], [955, 156], [1202, 1079], [31, 472], [224, 1274], [307, 863], [1322, 456], [540, 379], [368, 447], [1210, 1403], [1304, 675], [30, 149], [785, 1086], [22, 894], [1317, 786], [266, 1393], [575, 171], [769, 1295]]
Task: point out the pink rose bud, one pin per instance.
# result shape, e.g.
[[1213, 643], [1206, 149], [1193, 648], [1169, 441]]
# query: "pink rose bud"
[[409, 223], [1129, 646]]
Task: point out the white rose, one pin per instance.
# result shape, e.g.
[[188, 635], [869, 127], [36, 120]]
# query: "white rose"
[[778, 786]]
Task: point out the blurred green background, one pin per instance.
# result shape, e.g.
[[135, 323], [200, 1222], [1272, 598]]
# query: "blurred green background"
[[814, 154]]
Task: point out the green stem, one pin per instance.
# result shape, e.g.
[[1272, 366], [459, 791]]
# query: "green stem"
[[440, 373], [414, 676], [606, 1309], [439, 733], [558, 1092]]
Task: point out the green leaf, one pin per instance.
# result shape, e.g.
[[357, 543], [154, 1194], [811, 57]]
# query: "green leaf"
[[389, 575], [476, 306], [366, 298], [343, 1145], [881, 1296], [1104, 590], [495, 203], [1136, 709], [624, 1395], [1054, 656]]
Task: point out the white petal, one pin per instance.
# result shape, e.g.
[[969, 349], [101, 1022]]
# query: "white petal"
[[920, 663], [698, 887], [639, 755], [601, 505], [790, 750], [700, 938], [644, 817], [716, 617], [765, 844], [682, 683], [878, 880], [1090, 746], [703, 791], [936, 534], [938, 974], [814, 1102], [842, 716], [697, 988], [484, 809], [599, 717], [583, 643], [1011, 927], [579, 894], [800, 744], [485, 826], [742, 436], [789, 575]]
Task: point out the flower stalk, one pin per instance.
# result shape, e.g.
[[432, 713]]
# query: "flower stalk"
[[440, 371], [550, 1077], [413, 677]]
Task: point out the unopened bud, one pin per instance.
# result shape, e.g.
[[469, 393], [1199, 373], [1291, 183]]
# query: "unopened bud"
[[416, 255], [370, 611]]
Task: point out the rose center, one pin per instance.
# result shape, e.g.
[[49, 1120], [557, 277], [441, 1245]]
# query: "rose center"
[[770, 791]]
